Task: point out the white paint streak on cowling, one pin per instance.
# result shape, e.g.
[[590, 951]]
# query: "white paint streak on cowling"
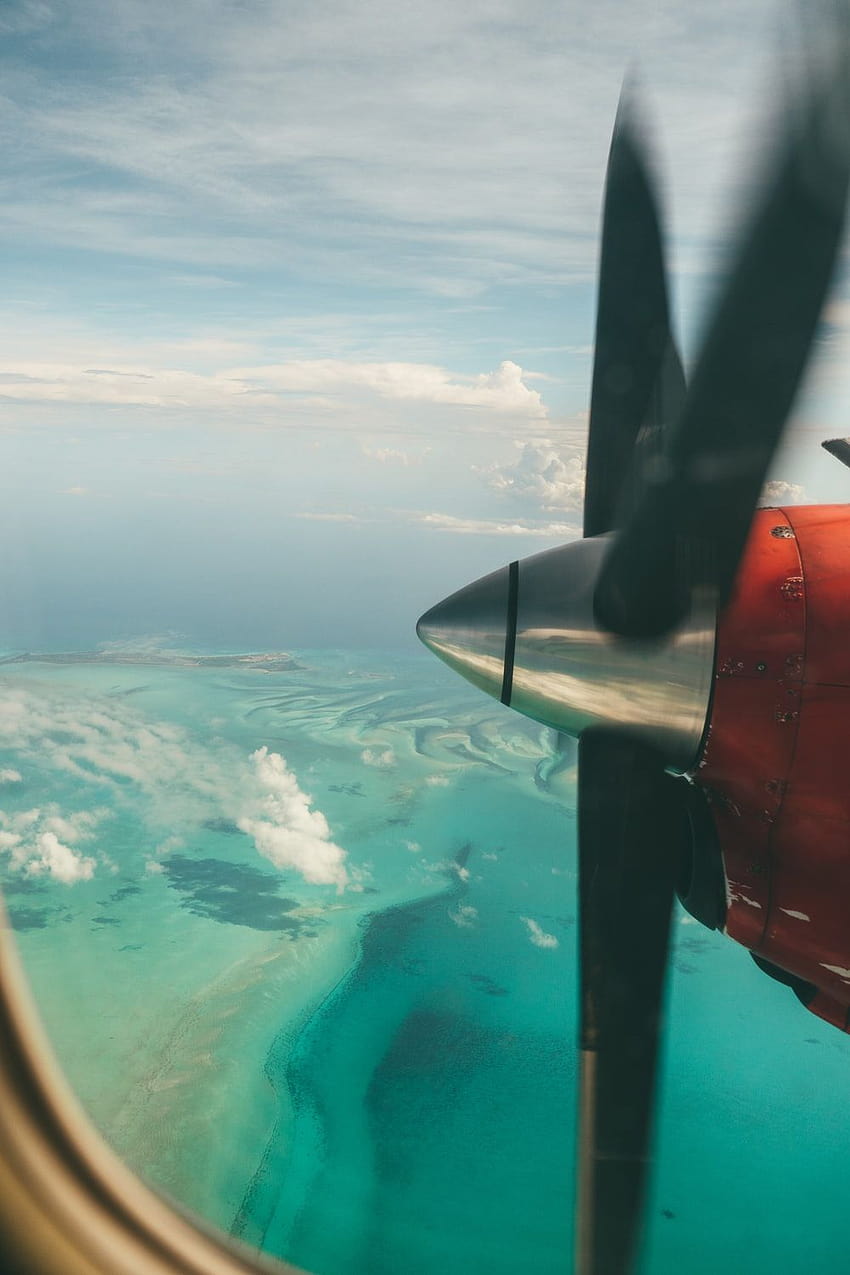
[[842, 973], [801, 916], [734, 895]]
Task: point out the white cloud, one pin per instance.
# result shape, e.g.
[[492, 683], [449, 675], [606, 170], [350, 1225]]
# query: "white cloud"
[[496, 527], [383, 760], [464, 916], [197, 377], [32, 840], [59, 861], [537, 935], [449, 523], [413, 846], [76, 827], [10, 776], [289, 832], [259, 133], [44, 381], [779, 492], [391, 456], [541, 475], [501, 391], [437, 781], [331, 517], [106, 746]]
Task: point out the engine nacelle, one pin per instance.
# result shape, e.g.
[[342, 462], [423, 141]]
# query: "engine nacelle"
[[777, 753]]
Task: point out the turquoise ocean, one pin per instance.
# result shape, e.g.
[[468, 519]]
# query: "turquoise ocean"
[[302, 931]]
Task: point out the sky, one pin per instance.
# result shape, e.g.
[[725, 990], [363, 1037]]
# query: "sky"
[[297, 318]]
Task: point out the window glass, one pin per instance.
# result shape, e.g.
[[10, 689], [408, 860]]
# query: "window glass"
[[297, 339]]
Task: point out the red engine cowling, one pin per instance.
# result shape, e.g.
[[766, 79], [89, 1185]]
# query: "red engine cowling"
[[776, 762]]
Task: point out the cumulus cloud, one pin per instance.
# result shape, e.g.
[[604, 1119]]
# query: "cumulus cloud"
[[542, 475], [107, 746], [503, 390], [31, 838], [537, 934], [289, 832], [154, 377], [437, 781], [383, 760], [59, 861], [10, 776], [464, 916], [779, 492]]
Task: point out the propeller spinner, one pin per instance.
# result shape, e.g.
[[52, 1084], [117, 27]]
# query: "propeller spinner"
[[611, 639]]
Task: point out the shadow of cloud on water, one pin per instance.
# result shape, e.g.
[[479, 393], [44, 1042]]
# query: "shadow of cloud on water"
[[235, 894], [29, 918]]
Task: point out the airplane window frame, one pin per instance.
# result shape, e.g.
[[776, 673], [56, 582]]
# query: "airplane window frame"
[[68, 1204]]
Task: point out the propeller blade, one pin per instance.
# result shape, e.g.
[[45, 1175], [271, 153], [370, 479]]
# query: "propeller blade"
[[694, 510], [839, 448], [631, 826], [638, 384]]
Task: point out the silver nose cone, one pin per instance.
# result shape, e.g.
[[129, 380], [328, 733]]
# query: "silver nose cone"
[[467, 630], [527, 635]]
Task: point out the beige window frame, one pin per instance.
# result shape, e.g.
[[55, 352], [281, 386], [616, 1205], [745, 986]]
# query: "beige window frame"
[[68, 1204]]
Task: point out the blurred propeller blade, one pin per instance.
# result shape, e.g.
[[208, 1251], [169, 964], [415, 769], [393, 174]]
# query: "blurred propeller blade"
[[839, 448], [693, 512], [638, 385], [631, 830]]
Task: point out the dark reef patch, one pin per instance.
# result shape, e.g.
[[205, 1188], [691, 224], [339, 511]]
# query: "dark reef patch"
[[484, 983], [227, 826], [350, 790], [29, 918], [234, 894], [387, 933], [429, 1039], [695, 944], [24, 885], [123, 892], [105, 920]]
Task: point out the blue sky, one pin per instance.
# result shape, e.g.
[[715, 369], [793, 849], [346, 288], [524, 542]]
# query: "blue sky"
[[298, 301]]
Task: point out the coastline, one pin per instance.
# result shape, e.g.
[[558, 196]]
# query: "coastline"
[[179, 1016], [228, 1028], [288, 1071], [195, 1071]]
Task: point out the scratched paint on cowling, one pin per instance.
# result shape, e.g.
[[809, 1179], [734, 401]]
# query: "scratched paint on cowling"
[[843, 974]]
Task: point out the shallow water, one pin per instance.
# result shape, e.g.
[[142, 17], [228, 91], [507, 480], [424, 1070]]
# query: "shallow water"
[[382, 1078]]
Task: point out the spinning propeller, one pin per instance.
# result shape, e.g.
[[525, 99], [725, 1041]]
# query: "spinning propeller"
[[611, 639]]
